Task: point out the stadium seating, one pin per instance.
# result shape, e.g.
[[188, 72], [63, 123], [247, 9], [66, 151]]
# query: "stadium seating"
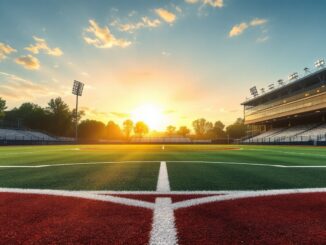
[[160, 140], [317, 133], [15, 134], [298, 133], [266, 135]]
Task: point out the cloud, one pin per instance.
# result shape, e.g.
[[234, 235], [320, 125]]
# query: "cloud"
[[169, 112], [258, 22], [165, 53], [11, 83], [120, 114], [5, 49], [28, 62], [151, 23], [41, 44], [191, 1], [212, 3], [165, 15], [238, 29], [131, 27], [102, 37], [262, 39]]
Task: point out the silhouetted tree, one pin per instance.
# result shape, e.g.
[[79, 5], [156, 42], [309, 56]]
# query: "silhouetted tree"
[[127, 127], [30, 116], [201, 127], [183, 131], [216, 132], [61, 117], [141, 129], [91, 129], [236, 130], [113, 131], [2, 107], [219, 124], [170, 130]]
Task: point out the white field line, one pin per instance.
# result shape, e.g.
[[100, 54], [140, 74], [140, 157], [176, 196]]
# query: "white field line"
[[82, 194], [187, 161], [243, 194], [163, 227], [163, 230], [103, 192], [289, 152], [255, 164], [231, 195], [70, 164], [163, 183]]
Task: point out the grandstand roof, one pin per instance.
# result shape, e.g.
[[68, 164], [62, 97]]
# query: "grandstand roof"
[[301, 83]]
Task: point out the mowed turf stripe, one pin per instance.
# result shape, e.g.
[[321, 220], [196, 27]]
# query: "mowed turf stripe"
[[113, 176], [173, 161]]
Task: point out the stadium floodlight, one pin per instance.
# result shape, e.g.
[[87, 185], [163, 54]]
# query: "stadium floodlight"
[[77, 89], [280, 82], [271, 86], [262, 90], [253, 91], [320, 63], [293, 76]]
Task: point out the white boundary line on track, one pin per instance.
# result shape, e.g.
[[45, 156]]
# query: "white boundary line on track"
[[163, 227], [217, 196], [243, 194], [82, 194], [173, 161]]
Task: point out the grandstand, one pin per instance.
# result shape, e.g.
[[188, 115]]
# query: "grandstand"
[[13, 136], [289, 112], [160, 140]]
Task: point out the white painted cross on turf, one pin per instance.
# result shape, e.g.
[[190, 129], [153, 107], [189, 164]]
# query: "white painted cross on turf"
[[163, 227]]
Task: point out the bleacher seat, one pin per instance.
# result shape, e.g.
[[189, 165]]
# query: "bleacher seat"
[[15, 134]]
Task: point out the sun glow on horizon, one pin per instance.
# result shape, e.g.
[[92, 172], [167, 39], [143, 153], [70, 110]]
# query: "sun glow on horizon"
[[151, 114]]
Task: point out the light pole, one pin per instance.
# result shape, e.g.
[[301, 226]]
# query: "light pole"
[[77, 90]]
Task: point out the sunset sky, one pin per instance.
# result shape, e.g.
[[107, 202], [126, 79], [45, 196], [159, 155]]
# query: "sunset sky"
[[178, 60]]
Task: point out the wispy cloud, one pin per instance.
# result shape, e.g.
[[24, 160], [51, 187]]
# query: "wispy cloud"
[[145, 22], [166, 15], [212, 3], [165, 53], [120, 114], [28, 62], [238, 29], [102, 37], [258, 22], [42, 45], [262, 39], [5, 49], [11, 83]]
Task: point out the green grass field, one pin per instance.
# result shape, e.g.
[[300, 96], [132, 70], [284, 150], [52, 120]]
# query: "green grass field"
[[136, 167]]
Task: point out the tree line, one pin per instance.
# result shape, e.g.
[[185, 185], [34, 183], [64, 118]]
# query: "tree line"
[[58, 119]]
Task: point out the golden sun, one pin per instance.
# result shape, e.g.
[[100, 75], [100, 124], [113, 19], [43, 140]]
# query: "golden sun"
[[151, 114]]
